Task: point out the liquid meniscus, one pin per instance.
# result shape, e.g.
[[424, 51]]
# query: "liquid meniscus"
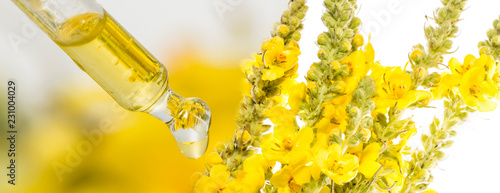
[[193, 149]]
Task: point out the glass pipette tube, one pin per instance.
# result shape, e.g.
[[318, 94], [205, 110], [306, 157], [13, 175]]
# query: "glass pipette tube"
[[102, 48]]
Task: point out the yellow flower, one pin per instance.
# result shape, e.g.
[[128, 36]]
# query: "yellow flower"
[[394, 88], [478, 92], [296, 94], [447, 83], [252, 178], [278, 58], [278, 146], [394, 177], [336, 114], [340, 168], [216, 183], [469, 62], [368, 164], [291, 177], [430, 191], [212, 159], [398, 151], [281, 116], [247, 64]]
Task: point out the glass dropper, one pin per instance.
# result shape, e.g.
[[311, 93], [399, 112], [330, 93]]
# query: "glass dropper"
[[122, 66]]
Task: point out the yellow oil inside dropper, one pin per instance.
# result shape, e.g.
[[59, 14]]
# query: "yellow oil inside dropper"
[[113, 58], [128, 72]]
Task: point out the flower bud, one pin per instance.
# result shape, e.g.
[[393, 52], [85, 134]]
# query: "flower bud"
[[246, 137], [355, 22], [358, 40], [420, 155], [422, 175], [481, 44], [283, 30], [496, 40], [491, 33], [339, 87], [339, 31], [483, 50], [439, 155], [422, 186], [323, 39], [294, 21], [335, 65], [355, 112], [328, 3], [429, 164], [448, 44], [428, 31], [311, 75], [447, 144], [295, 36], [417, 54], [366, 134], [258, 93], [346, 47], [321, 53], [421, 72]]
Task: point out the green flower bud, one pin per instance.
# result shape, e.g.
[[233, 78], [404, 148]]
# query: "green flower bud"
[[355, 23], [420, 155], [322, 54], [295, 36], [483, 50], [453, 133], [421, 187], [491, 33], [429, 164], [439, 155], [323, 39], [448, 44], [354, 112], [447, 144], [417, 54], [443, 136], [294, 21], [496, 40], [481, 44], [339, 31], [301, 15], [328, 3]]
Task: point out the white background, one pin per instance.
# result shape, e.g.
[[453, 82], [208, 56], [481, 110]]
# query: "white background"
[[471, 164]]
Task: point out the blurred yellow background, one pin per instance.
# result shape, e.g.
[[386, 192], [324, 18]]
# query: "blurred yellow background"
[[139, 154]]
